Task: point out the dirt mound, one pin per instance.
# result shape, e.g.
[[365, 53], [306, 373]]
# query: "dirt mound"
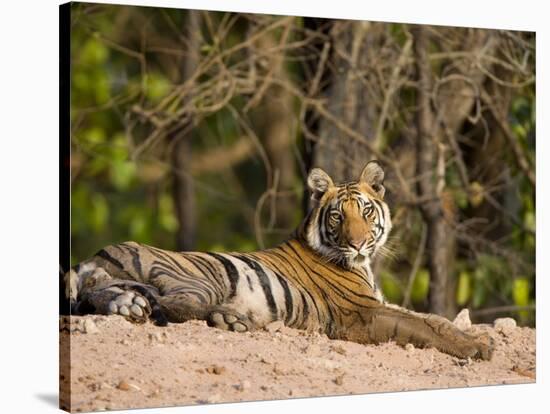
[[115, 364]]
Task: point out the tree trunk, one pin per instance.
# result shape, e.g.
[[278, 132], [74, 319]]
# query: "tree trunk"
[[343, 159], [278, 124], [429, 152], [183, 188]]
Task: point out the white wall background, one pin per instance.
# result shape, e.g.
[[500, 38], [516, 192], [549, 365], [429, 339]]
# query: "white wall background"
[[29, 206]]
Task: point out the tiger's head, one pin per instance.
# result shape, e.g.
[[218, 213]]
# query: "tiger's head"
[[349, 222]]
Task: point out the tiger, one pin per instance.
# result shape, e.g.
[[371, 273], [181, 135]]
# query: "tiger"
[[319, 279]]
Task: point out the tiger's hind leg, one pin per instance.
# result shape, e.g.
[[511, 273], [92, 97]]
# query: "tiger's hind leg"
[[98, 292]]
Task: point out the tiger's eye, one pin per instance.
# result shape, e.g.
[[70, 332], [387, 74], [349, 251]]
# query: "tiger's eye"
[[367, 210], [335, 216]]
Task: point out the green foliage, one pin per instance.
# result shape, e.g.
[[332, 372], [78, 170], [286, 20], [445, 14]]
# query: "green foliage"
[[520, 293], [463, 288], [157, 87], [421, 286], [391, 287]]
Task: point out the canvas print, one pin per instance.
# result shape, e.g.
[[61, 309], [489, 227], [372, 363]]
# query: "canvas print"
[[260, 207]]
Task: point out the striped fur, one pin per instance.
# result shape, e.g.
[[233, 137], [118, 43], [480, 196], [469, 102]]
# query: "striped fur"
[[319, 279]]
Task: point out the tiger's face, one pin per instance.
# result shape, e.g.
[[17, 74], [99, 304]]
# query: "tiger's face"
[[349, 222]]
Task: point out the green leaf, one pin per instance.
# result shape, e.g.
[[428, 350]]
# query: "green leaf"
[[94, 135], [421, 286], [122, 173], [157, 87], [99, 213], [529, 220], [390, 287], [167, 219], [463, 288], [138, 227], [520, 291], [93, 53]]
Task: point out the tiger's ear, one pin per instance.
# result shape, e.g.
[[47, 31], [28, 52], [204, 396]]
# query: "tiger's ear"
[[318, 182], [373, 175]]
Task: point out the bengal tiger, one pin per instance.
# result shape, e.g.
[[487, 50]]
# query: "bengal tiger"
[[320, 279]]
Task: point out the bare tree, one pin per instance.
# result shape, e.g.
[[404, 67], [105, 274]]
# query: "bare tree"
[[183, 188]]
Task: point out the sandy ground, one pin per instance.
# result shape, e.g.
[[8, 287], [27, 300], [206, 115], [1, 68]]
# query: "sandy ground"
[[115, 364]]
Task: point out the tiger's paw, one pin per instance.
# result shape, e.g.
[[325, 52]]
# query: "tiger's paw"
[[229, 320], [116, 301], [485, 346], [480, 347], [131, 305]]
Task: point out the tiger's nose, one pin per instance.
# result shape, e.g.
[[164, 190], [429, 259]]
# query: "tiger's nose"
[[357, 244]]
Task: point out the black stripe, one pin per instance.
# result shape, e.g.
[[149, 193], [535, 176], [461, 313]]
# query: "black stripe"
[[323, 225], [381, 218], [104, 255], [264, 283], [180, 273], [285, 257], [209, 272], [305, 310], [288, 297], [136, 262], [336, 288], [189, 284], [230, 269]]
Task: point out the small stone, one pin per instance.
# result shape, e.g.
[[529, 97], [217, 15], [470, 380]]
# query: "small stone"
[[134, 387], [263, 388], [90, 327], [505, 325], [278, 371], [274, 326], [243, 386], [123, 385], [339, 380], [409, 347], [215, 369], [462, 320], [339, 349], [266, 360]]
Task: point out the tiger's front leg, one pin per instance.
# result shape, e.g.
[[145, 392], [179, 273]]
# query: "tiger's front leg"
[[392, 323]]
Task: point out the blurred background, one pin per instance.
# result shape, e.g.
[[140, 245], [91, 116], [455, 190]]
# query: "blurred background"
[[194, 130]]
